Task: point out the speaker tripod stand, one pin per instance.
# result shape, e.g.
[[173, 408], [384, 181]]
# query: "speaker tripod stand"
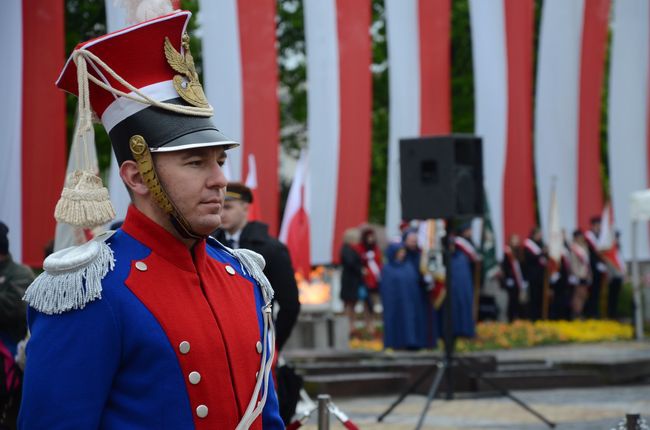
[[443, 367]]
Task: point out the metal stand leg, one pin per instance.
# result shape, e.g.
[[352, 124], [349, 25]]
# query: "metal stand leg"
[[442, 367], [406, 392]]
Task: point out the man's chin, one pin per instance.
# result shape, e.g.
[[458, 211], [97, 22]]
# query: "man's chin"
[[207, 224]]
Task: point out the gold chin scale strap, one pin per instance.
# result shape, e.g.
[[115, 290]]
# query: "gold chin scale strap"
[[143, 159]]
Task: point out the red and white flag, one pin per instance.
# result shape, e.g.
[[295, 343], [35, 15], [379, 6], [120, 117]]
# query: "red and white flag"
[[251, 182], [419, 59], [502, 52], [570, 73], [32, 124], [240, 74], [607, 242], [339, 104], [295, 231]]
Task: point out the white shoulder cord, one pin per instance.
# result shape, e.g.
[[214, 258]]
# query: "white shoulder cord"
[[81, 56]]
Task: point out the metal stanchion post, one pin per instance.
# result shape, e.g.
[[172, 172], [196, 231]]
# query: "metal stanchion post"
[[631, 421], [323, 412]]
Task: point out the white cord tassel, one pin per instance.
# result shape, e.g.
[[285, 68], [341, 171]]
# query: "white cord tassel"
[[85, 201]]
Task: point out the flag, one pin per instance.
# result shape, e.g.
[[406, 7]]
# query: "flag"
[[607, 243], [294, 231], [240, 76], [570, 73], [32, 124], [502, 34], [339, 119], [488, 250], [418, 38], [251, 182]]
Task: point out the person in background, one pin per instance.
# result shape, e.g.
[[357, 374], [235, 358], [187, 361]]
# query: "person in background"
[[512, 280], [598, 269], [14, 280], [351, 274], [534, 269], [561, 288], [372, 263], [237, 232], [404, 319], [463, 262], [616, 275], [580, 276]]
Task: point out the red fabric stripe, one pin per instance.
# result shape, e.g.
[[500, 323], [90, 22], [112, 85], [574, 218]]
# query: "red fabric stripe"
[[434, 20], [355, 94], [261, 135], [518, 198], [43, 124], [592, 70]]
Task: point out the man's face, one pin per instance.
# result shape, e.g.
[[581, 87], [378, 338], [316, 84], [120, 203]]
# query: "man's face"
[[196, 184], [235, 214], [514, 241]]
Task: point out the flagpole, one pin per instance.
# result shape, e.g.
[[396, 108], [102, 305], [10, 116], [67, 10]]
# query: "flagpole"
[[546, 287]]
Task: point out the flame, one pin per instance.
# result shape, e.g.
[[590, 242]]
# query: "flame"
[[316, 290]]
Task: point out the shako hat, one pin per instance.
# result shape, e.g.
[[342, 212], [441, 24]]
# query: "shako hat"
[[142, 82], [154, 58]]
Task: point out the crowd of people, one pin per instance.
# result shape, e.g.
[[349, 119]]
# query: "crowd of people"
[[411, 319], [583, 283]]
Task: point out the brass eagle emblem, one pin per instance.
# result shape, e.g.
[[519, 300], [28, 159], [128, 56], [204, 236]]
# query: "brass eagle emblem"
[[187, 84]]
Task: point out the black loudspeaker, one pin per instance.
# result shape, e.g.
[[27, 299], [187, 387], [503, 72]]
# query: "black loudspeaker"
[[442, 177]]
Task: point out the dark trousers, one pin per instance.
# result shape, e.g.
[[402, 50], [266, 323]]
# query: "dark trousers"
[[612, 297], [514, 307], [592, 305]]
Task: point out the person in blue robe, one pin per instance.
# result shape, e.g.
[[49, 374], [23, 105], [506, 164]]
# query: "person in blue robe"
[[462, 294], [404, 319]]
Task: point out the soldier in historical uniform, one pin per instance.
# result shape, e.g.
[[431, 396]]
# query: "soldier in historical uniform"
[[155, 325]]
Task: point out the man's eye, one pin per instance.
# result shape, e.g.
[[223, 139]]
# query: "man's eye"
[[221, 162], [193, 162]]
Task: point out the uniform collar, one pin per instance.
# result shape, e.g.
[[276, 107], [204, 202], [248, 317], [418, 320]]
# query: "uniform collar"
[[162, 242]]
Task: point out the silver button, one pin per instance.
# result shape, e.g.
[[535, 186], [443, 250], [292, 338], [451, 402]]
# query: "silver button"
[[202, 411], [184, 347], [141, 266], [258, 347], [230, 270], [194, 377]]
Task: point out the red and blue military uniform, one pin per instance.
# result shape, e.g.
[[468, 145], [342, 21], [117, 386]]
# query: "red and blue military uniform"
[[175, 342]]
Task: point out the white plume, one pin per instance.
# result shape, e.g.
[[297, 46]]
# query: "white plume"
[[138, 11]]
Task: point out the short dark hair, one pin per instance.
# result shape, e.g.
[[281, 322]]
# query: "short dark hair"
[[239, 191]]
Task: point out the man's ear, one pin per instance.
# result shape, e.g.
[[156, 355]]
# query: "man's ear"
[[132, 178]]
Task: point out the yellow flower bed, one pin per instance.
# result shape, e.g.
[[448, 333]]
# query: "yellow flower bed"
[[520, 334]]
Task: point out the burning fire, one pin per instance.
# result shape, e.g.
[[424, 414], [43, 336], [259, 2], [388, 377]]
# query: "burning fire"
[[316, 290]]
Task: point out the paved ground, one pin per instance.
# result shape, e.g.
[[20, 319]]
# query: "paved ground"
[[571, 409]]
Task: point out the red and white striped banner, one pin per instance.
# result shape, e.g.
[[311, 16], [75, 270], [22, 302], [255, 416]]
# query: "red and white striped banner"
[[629, 116], [339, 55], [573, 40], [32, 124], [241, 81], [419, 88], [502, 41]]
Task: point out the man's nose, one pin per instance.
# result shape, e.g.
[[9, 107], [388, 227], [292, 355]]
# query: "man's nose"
[[217, 176]]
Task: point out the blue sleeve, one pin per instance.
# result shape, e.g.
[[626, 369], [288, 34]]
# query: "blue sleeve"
[[71, 360], [271, 414]]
